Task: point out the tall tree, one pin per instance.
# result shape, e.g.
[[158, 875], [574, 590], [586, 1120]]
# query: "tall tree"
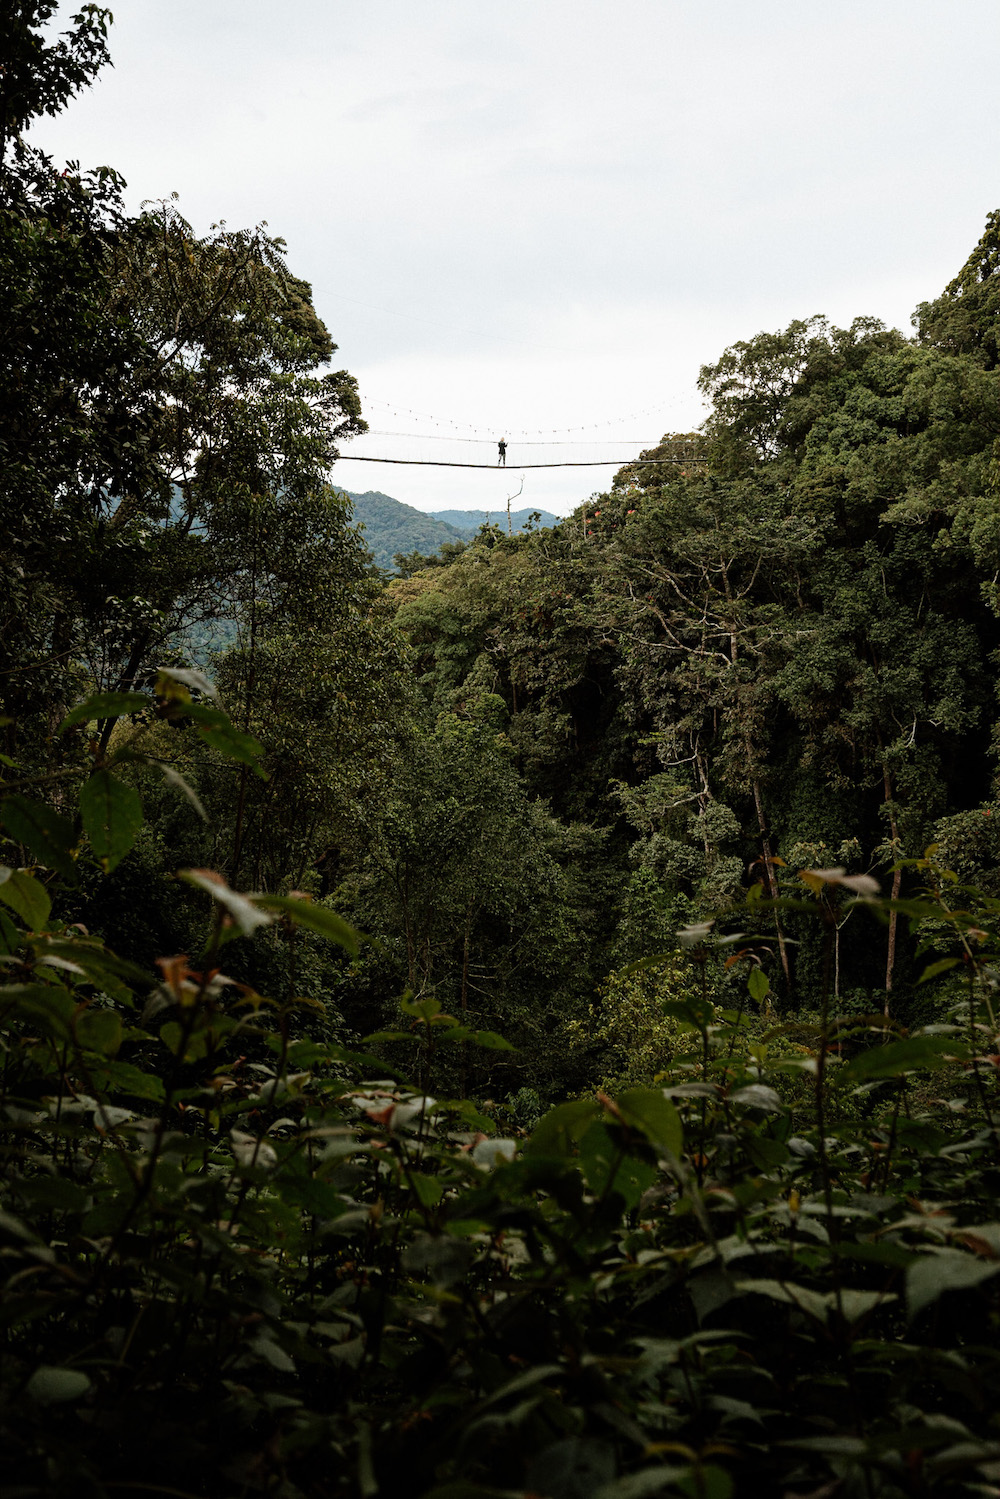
[[242, 417], [966, 318]]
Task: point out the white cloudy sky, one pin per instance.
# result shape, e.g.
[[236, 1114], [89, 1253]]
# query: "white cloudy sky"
[[539, 215]]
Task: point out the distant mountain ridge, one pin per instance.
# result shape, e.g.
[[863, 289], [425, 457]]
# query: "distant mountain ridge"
[[391, 527], [471, 520]]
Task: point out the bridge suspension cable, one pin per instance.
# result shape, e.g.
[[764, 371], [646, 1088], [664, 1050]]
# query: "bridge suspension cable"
[[494, 467]]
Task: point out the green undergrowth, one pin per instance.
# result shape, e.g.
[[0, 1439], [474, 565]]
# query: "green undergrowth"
[[241, 1261]]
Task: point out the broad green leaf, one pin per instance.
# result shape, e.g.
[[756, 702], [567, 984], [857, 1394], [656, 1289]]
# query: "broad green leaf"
[[51, 1386], [25, 895], [607, 1169], [425, 1009], [757, 1096], [48, 834], [109, 1116], [236, 745], [247, 915], [490, 1040], [218, 731], [801, 1063], [314, 917], [810, 1302], [940, 1270], [47, 1007], [653, 1113], [983, 1238], [857, 1304], [125, 1077], [106, 705], [697, 1013], [112, 816], [933, 969], [654, 960], [103, 968], [203, 715], [920, 910], [695, 933], [882, 1252], [915, 1054], [273, 1354], [428, 1188], [252, 1151], [65, 967], [558, 1131], [189, 677], [765, 1153], [527, 1380], [758, 984], [99, 1030], [493, 1153], [177, 1040]]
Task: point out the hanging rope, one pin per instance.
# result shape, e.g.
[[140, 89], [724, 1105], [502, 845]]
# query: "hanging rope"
[[545, 442], [494, 467], [399, 410]]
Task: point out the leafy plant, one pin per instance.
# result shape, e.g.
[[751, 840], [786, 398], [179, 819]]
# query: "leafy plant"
[[236, 1256]]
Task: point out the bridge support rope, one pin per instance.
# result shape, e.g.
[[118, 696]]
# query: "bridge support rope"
[[494, 467]]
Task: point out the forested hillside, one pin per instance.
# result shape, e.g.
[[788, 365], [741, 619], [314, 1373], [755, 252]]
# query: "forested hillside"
[[785, 648], [520, 520], [526, 1027], [401, 538], [391, 527]]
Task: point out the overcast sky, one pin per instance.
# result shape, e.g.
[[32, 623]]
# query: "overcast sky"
[[540, 215]]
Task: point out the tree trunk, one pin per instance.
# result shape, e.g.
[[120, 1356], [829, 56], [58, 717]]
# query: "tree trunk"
[[890, 961], [464, 1001], [251, 683], [772, 883], [411, 937]]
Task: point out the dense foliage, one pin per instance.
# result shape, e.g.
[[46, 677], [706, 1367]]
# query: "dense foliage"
[[528, 1028]]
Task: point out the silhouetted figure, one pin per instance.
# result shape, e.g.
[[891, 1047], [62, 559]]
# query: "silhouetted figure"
[[502, 445]]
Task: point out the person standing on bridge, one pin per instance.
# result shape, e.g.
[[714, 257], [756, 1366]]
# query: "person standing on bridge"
[[502, 445]]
